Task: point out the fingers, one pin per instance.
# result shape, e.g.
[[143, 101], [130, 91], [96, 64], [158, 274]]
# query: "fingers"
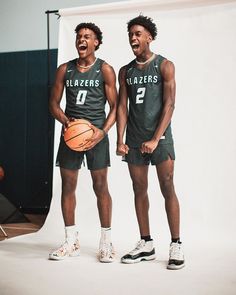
[[67, 123], [146, 148], [90, 143], [122, 149], [126, 149], [94, 128], [98, 135]]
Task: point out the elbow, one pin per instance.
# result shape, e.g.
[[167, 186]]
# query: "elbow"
[[50, 108]]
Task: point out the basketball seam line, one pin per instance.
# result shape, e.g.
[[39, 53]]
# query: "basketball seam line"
[[78, 135]]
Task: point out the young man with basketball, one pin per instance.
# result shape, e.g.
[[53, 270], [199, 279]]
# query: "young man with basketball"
[[148, 83], [89, 82]]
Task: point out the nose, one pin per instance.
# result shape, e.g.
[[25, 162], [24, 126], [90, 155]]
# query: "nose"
[[80, 39], [132, 37]]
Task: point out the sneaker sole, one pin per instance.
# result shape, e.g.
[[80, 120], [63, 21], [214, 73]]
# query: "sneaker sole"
[[131, 261], [58, 258], [175, 267], [106, 261]]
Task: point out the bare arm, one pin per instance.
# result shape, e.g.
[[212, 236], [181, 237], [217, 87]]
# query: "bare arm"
[[56, 96], [168, 75], [122, 114], [111, 94]]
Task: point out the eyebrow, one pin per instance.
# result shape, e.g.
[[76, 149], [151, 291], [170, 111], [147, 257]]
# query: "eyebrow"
[[135, 32], [86, 35]]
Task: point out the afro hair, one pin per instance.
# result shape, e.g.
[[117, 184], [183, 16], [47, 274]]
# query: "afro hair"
[[146, 22], [92, 27]]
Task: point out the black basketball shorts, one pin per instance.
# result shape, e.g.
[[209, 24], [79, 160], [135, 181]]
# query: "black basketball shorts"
[[97, 158], [161, 153]]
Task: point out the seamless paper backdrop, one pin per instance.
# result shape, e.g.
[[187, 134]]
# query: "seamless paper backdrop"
[[201, 43]]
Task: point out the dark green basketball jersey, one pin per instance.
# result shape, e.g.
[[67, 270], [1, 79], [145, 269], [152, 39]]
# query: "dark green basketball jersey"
[[85, 94], [145, 94]]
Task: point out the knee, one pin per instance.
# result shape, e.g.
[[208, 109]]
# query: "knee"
[[69, 185], [100, 187], [140, 189], [167, 186]]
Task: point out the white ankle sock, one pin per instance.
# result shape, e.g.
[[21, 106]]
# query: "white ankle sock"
[[105, 235], [71, 232]]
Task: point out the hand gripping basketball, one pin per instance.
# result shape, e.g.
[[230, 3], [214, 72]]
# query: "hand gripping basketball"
[[77, 134]]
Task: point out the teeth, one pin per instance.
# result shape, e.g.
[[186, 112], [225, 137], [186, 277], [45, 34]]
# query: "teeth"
[[135, 46], [82, 46]]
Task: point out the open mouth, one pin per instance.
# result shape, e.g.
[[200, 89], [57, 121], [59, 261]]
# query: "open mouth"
[[82, 47], [134, 46]]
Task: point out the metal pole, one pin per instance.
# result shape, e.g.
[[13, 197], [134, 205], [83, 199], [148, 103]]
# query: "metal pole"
[[48, 12], [51, 121], [48, 53]]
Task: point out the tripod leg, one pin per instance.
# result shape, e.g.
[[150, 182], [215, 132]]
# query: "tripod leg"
[[5, 234]]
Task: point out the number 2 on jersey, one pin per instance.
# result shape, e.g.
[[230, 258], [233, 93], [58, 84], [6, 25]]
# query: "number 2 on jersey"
[[81, 96], [140, 94]]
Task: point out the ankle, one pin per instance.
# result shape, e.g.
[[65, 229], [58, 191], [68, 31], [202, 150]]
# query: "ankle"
[[105, 235], [146, 238], [176, 240], [71, 233]]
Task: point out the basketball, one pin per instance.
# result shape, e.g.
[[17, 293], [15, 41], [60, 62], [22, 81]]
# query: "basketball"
[[1, 173], [77, 133]]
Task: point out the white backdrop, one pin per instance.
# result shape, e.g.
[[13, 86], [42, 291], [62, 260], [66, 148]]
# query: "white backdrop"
[[201, 41]]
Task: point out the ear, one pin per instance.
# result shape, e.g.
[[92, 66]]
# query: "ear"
[[96, 42], [150, 38]]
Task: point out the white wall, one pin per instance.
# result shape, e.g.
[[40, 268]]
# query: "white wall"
[[23, 24]]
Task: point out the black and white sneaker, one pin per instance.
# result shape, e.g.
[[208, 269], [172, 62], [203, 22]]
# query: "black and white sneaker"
[[176, 258], [142, 251]]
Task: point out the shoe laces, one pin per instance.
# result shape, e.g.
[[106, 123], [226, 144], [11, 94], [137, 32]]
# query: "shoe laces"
[[176, 251], [106, 249], [61, 250], [139, 246], [66, 246]]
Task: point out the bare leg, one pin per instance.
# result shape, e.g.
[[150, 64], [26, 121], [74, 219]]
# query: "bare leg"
[[165, 172], [104, 202], [139, 176], [68, 198]]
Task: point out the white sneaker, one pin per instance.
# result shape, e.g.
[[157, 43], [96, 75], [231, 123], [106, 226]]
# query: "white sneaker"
[[142, 251], [176, 258], [106, 252], [65, 250]]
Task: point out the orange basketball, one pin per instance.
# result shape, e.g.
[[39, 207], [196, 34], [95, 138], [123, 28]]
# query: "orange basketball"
[[76, 134]]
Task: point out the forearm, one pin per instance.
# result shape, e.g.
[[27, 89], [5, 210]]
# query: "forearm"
[[164, 122], [122, 116], [58, 113], [56, 95], [110, 120]]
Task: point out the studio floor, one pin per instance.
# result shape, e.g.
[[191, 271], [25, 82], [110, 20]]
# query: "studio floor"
[[26, 270], [11, 230]]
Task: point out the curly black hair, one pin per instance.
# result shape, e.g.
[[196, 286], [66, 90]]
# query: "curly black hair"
[[92, 27], [145, 22]]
